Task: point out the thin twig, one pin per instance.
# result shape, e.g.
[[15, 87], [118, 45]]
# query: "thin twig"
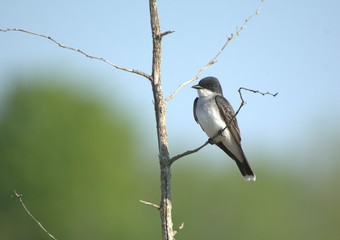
[[211, 140], [166, 33], [213, 61], [257, 91], [19, 196], [150, 204], [243, 102], [173, 159], [138, 72]]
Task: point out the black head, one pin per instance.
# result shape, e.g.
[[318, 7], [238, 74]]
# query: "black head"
[[209, 83]]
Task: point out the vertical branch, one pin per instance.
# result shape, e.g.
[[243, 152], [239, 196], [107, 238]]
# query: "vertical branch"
[[160, 112]]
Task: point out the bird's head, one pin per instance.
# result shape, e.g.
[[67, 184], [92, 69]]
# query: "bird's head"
[[208, 86]]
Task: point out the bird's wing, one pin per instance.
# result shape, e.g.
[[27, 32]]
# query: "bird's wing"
[[195, 105], [227, 113]]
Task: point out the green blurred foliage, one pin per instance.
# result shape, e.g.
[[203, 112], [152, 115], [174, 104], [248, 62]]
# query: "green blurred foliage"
[[76, 165], [72, 160]]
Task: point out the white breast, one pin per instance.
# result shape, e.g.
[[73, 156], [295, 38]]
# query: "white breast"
[[209, 117]]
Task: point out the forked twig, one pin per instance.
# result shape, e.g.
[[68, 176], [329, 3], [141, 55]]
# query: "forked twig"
[[138, 72], [214, 59], [19, 196]]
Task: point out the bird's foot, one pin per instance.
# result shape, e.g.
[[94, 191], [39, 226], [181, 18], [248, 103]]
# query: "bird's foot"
[[220, 132], [211, 141]]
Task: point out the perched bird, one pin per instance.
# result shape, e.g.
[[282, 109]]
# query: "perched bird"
[[213, 113]]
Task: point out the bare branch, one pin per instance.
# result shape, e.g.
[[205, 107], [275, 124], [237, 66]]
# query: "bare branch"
[[257, 91], [211, 140], [166, 33], [138, 72], [243, 102], [173, 159], [19, 196], [214, 59], [160, 113], [150, 204]]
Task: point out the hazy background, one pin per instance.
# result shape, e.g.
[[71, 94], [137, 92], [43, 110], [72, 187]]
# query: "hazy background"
[[77, 136]]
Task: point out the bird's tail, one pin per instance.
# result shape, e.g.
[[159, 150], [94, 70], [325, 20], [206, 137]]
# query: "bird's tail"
[[241, 162], [245, 170]]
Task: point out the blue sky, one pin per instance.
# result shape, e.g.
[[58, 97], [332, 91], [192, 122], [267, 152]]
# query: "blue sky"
[[292, 48]]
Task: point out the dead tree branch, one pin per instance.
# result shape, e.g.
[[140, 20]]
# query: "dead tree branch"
[[257, 91], [160, 113], [19, 196], [150, 204], [214, 59], [173, 159], [138, 72], [211, 140]]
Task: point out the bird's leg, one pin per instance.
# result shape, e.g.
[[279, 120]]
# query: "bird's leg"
[[219, 133]]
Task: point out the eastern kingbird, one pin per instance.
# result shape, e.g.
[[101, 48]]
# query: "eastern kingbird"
[[213, 113]]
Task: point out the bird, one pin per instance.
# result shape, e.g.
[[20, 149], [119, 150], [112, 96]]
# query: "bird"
[[213, 112]]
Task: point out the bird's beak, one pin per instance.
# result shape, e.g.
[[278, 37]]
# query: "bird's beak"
[[197, 86]]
